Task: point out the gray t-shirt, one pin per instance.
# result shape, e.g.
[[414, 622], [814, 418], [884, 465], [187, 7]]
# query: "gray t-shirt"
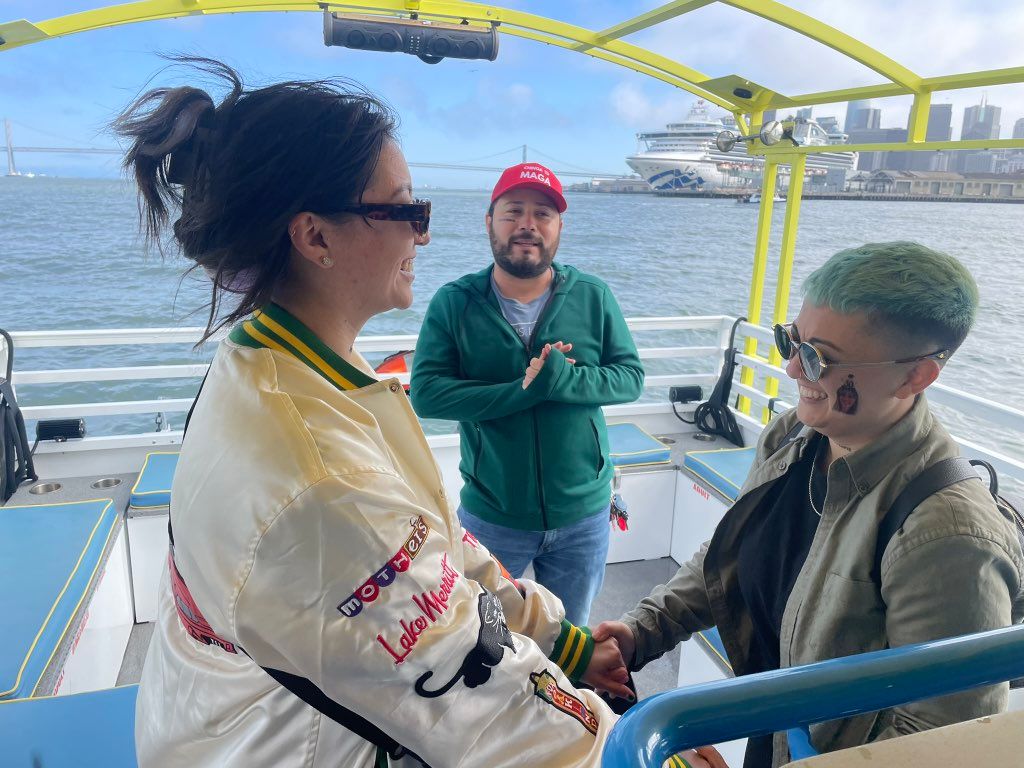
[[522, 317]]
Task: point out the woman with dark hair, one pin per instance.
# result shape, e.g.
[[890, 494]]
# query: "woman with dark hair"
[[320, 594]]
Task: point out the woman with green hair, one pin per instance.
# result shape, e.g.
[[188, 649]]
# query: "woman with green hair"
[[789, 576]]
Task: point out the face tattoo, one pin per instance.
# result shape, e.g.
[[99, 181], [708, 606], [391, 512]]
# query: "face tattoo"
[[847, 397]]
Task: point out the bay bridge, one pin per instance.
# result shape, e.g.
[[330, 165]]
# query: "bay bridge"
[[561, 168]]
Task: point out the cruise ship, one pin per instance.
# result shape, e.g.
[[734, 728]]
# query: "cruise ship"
[[683, 156]]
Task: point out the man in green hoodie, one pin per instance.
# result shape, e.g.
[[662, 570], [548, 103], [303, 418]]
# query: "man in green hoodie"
[[523, 354]]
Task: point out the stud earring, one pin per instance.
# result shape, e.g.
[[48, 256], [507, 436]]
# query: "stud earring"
[[327, 261]]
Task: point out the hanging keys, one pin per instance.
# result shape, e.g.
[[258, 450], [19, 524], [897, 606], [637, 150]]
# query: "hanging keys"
[[619, 515]]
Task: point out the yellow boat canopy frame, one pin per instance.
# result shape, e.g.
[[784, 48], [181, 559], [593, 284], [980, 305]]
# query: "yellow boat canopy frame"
[[745, 99]]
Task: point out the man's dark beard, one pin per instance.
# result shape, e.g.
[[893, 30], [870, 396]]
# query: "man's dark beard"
[[524, 270]]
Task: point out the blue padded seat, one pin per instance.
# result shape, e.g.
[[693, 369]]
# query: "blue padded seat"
[[86, 730], [49, 557], [725, 469], [153, 488], [629, 446]]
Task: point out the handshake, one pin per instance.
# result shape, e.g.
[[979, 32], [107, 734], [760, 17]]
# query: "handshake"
[[608, 671]]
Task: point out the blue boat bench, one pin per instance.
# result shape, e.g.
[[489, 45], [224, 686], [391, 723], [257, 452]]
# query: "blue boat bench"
[[45, 582], [84, 730], [152, 490], [723, 470], [631, 446]]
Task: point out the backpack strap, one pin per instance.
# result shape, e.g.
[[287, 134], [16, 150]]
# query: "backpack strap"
[[940, 475], [20, 466], [790, 436], [9, 342], [306, 690], [8, 454], [19, 455]]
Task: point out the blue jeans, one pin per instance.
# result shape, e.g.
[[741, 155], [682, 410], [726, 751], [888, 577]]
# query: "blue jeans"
[[569, 561]]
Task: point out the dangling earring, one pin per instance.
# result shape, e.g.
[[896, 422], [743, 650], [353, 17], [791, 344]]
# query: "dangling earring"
[[327, 261]]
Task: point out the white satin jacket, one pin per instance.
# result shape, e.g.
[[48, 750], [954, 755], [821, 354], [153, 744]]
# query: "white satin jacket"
[[313, 536]]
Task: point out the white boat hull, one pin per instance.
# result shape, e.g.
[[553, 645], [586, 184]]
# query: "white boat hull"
[[682, 171]]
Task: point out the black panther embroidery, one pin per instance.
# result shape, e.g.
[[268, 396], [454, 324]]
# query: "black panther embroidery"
[[494, 637]]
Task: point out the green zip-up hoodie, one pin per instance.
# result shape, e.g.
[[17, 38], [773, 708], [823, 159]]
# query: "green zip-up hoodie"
[[532, 459]]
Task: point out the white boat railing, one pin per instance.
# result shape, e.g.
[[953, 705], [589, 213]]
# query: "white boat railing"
[[719, 325], [122, 337]]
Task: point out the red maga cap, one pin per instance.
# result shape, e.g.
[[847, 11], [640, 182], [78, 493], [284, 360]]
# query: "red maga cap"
[[533, 176]]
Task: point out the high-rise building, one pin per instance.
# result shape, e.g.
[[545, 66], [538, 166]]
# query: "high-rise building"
[[1018, 129], [981, 122], [862, 115], [940, 122], [873, 161], [805, 113]]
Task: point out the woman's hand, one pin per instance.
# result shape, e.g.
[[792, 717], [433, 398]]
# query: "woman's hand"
[[538, 362], [705, 757], [607, 671]]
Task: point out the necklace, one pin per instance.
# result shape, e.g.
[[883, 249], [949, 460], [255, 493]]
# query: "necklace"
[[810, 490]]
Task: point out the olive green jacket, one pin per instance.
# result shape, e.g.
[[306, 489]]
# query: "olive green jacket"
[[954, 568]]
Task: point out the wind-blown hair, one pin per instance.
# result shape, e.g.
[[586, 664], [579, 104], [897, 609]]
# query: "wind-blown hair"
[[240, 170], [922, 297]]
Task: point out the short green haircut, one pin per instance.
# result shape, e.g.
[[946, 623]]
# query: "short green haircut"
[[923, 297]]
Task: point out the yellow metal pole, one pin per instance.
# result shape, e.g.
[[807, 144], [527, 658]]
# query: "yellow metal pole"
[[756, 118], [764, 230], [918, 126], [782, 284]]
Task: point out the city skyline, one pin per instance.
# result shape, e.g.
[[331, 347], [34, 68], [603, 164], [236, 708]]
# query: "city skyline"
[[980, 121]]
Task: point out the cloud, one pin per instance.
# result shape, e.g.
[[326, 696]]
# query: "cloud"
[[506, 109], [520, 95], [953, 36], [633, 107]]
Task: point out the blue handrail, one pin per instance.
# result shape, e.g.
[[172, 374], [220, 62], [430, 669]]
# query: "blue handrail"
[[768, 702]]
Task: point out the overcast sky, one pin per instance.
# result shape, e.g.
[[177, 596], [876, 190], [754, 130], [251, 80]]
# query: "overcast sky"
[[572, 111]]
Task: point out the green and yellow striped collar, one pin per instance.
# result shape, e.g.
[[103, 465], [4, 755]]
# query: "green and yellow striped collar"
[[276, 328]]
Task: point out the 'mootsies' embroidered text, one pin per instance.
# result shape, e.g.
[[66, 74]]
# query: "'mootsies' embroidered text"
[[386, 575]]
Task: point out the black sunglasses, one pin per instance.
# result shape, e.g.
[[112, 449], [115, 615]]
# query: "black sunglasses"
[[417, 213], [812, 362]]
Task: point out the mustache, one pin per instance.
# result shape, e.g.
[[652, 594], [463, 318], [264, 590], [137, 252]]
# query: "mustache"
[[531, 239]]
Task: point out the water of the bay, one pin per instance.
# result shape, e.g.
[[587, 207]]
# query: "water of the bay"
[[70, 258]]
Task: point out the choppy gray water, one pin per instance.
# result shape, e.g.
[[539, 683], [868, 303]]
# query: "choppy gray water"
[[70, 258]]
